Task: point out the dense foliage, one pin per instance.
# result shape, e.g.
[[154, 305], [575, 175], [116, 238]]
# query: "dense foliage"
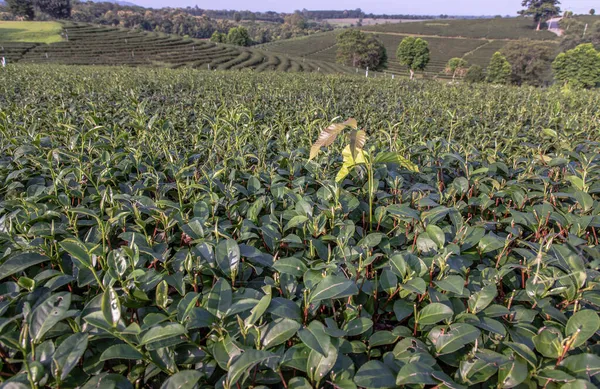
[[540, 10], [579, 67], [530, 61], [499, 70], [161, 223], [360, 50], [413, 53]]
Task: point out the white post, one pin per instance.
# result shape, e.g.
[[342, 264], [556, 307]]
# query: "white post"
[[367, 72], [208, 66], [3, 62], [46, 55], [392, 76], [585, 29]]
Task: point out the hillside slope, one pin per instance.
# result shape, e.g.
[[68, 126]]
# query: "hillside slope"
[[86, 44], [474, 40]]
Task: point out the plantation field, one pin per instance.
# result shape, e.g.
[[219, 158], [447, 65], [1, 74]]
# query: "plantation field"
[[322, 47], [346, 22], [86, 44], [497, 28], [40, 32], [176, 228]]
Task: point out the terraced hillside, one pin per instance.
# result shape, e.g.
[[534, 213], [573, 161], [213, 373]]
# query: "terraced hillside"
[[86, 44], [476, 49], [497, 28]]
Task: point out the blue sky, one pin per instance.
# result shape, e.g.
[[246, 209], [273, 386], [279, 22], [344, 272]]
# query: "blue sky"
[[434, 7]]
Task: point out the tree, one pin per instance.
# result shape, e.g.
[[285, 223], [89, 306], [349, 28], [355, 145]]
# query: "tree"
[[237, 17], [357, 49], [456, 67], [498, 71], [530, 61], [22, 8], [58, 9], [413, 53], [579, 67], [541, 10], [296, 20], [475, 74], [218, 37], [238, 36], [592, 12]]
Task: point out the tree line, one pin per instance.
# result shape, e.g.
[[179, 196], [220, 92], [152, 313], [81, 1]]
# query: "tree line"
[[522, 62], [262, 27]]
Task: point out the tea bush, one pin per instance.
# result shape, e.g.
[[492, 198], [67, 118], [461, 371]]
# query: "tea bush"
[[165, 228]]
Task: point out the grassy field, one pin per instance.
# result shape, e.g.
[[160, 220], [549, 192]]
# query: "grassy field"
[[176, 228], [36, 32]]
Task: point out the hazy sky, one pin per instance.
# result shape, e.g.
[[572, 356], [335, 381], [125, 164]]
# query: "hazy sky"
[[429, 7]]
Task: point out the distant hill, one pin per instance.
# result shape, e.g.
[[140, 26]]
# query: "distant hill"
[[119, 2], [124, 3]]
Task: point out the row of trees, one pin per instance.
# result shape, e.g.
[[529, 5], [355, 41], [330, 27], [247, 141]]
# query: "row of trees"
[[58, 9], [191, 21], [520, 62]]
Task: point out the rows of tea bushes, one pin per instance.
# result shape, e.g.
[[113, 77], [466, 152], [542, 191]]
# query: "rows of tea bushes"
[[166, 228], [322, 47], [86, 44]]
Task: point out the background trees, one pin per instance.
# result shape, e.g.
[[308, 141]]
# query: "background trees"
[[530, 61], [238, 36], [22, 8], [357, 49], [499, 70], [579, 67], [540, 10], [413, 53], [218, 37], [475, 74], [59, 9]]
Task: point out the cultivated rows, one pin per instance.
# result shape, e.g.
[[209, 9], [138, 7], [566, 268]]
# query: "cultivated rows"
[[100, 45]]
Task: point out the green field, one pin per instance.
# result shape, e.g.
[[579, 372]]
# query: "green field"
[[177, 228], [100, 45], [35, 32], [474, 40]]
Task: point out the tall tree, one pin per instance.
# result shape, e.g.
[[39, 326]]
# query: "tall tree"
[[498, 71], [541, 10], [592, 12], [579, 67], [238, 36], [58, 9], [357, 49], [22, 8], [413, 53]]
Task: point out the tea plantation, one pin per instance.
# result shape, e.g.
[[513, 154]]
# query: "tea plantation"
[[86, 44], [176, 228]]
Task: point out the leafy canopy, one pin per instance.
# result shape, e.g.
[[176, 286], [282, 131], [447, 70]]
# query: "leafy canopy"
[[238, 36], [358, 49], [579, 67], [499, 70], [413, 53]]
